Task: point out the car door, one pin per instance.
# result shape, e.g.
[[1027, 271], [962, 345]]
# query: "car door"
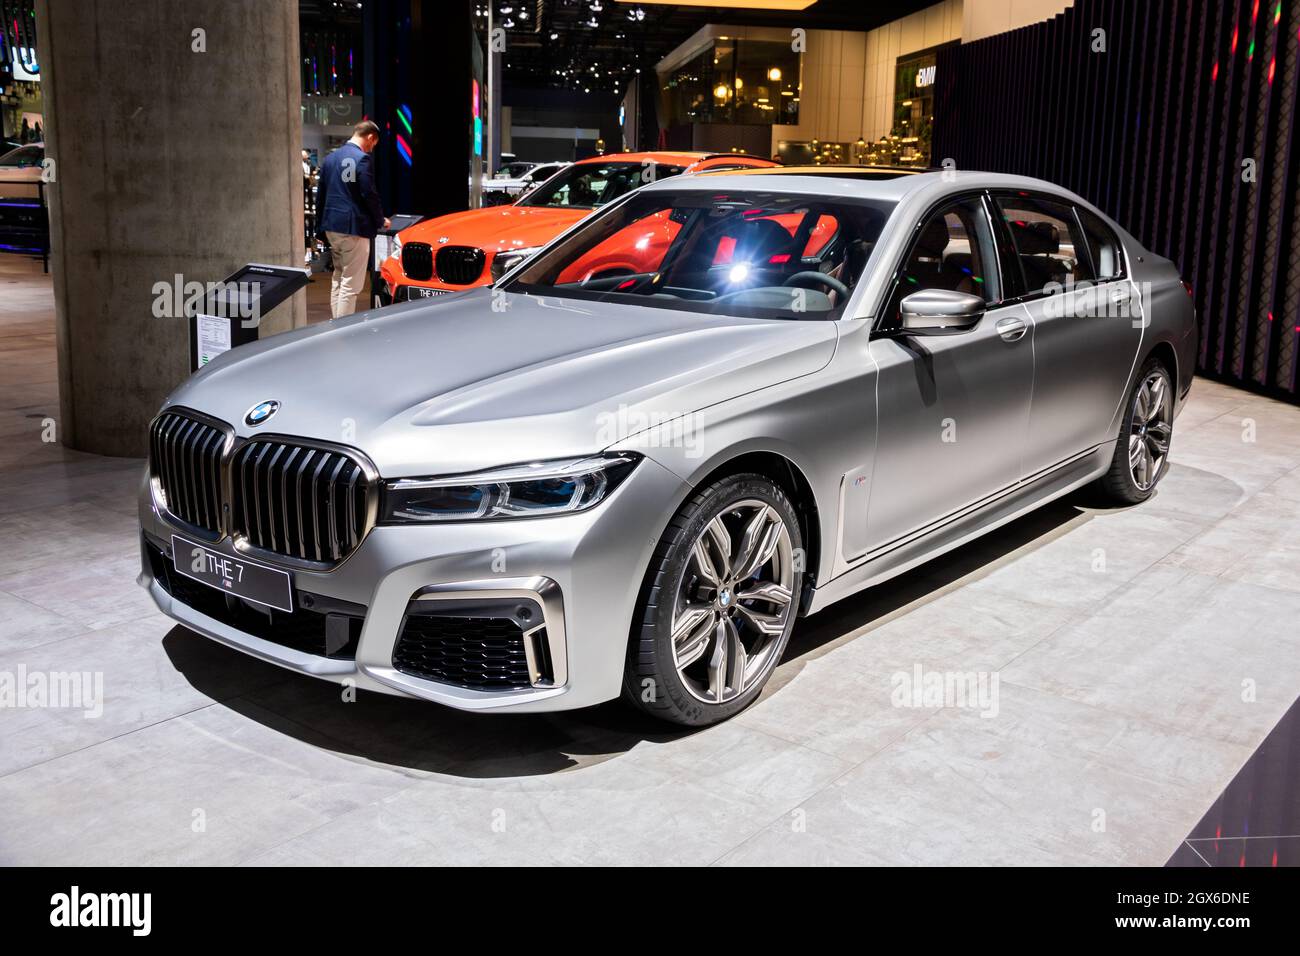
[[952, 408], [1085, 336]]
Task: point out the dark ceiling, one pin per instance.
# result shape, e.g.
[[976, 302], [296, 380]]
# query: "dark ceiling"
[[600, 44]]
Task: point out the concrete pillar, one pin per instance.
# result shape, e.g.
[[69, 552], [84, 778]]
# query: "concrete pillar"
[[177, 153]]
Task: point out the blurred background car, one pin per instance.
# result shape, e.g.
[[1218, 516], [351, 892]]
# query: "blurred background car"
[[517, 179], [20, 172]]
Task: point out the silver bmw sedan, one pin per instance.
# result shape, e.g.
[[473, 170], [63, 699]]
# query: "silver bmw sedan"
[[627, 468]]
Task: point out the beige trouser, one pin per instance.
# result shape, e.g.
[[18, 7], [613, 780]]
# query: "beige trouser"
[[351, 256]]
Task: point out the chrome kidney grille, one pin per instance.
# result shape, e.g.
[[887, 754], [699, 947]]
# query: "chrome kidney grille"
[[185, 461], [307, 501]]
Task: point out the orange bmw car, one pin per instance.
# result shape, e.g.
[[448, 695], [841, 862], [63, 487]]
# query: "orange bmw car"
[[472, 248]]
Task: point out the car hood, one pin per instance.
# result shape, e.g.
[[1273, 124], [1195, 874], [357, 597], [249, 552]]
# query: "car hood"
[[456, 385], [496, 228]]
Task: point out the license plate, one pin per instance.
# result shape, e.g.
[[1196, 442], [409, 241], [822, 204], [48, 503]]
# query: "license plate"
[[420, 292], [245, 579]]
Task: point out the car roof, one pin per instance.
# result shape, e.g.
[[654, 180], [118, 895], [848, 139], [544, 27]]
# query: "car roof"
[[673, 157], [858, 172], [906, 186]]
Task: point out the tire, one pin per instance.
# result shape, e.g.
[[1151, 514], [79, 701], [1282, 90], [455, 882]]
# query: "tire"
[[1144, 429], [680, 589]]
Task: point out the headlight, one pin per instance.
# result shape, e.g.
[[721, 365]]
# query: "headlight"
[[397, 249], [538, 489], [506, 260]]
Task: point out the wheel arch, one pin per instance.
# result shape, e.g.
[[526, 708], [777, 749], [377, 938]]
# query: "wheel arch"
[[1167, 356], [792, 479]]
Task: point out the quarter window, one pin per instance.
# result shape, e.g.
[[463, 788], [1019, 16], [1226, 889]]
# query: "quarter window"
[[1048, 242], [1107, 256]]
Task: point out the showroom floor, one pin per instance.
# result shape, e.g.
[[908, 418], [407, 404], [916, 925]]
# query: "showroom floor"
[[1141, 657]]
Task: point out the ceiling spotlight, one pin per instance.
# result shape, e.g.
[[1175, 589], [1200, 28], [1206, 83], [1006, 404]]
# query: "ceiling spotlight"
[[774, 74]]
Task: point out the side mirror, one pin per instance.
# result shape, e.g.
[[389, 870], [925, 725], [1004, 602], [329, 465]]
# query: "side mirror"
[[936, 311]]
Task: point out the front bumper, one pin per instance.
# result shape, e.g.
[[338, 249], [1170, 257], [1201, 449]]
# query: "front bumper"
[[403, 289], [585, 570]]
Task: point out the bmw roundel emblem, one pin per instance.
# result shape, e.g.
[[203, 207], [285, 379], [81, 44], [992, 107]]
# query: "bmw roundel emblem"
[[261, 412]]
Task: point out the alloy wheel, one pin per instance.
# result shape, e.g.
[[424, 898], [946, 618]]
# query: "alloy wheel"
[[1148, 443], [734, 602]]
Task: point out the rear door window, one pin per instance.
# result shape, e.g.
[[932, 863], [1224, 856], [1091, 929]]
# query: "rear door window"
[[1049, 245]]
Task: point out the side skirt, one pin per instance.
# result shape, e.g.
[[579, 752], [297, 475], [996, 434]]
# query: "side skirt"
[[1017, 501]]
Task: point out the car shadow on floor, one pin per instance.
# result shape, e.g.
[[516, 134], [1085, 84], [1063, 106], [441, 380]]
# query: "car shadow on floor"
[[426, 737], [821, 632]]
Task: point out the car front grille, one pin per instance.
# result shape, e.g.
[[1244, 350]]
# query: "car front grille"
[[459, 265], [301, 501], [417, 261], [482, 653], [308, 501], [185, 459]]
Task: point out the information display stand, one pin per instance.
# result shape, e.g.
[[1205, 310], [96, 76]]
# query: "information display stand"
[[234, 307]]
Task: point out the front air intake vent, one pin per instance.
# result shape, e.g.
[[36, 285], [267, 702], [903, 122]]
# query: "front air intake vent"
[[482, 653], [310, 502]]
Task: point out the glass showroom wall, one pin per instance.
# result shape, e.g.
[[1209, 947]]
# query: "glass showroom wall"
[[734, 81]]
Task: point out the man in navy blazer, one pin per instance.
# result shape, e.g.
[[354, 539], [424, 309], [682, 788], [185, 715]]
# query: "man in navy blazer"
[[350, 214]]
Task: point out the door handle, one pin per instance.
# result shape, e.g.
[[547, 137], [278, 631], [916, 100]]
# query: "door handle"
[[1011, 329]]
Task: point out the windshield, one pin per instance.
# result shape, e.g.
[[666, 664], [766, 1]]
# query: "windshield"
[[589, 185], [765, 255]]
